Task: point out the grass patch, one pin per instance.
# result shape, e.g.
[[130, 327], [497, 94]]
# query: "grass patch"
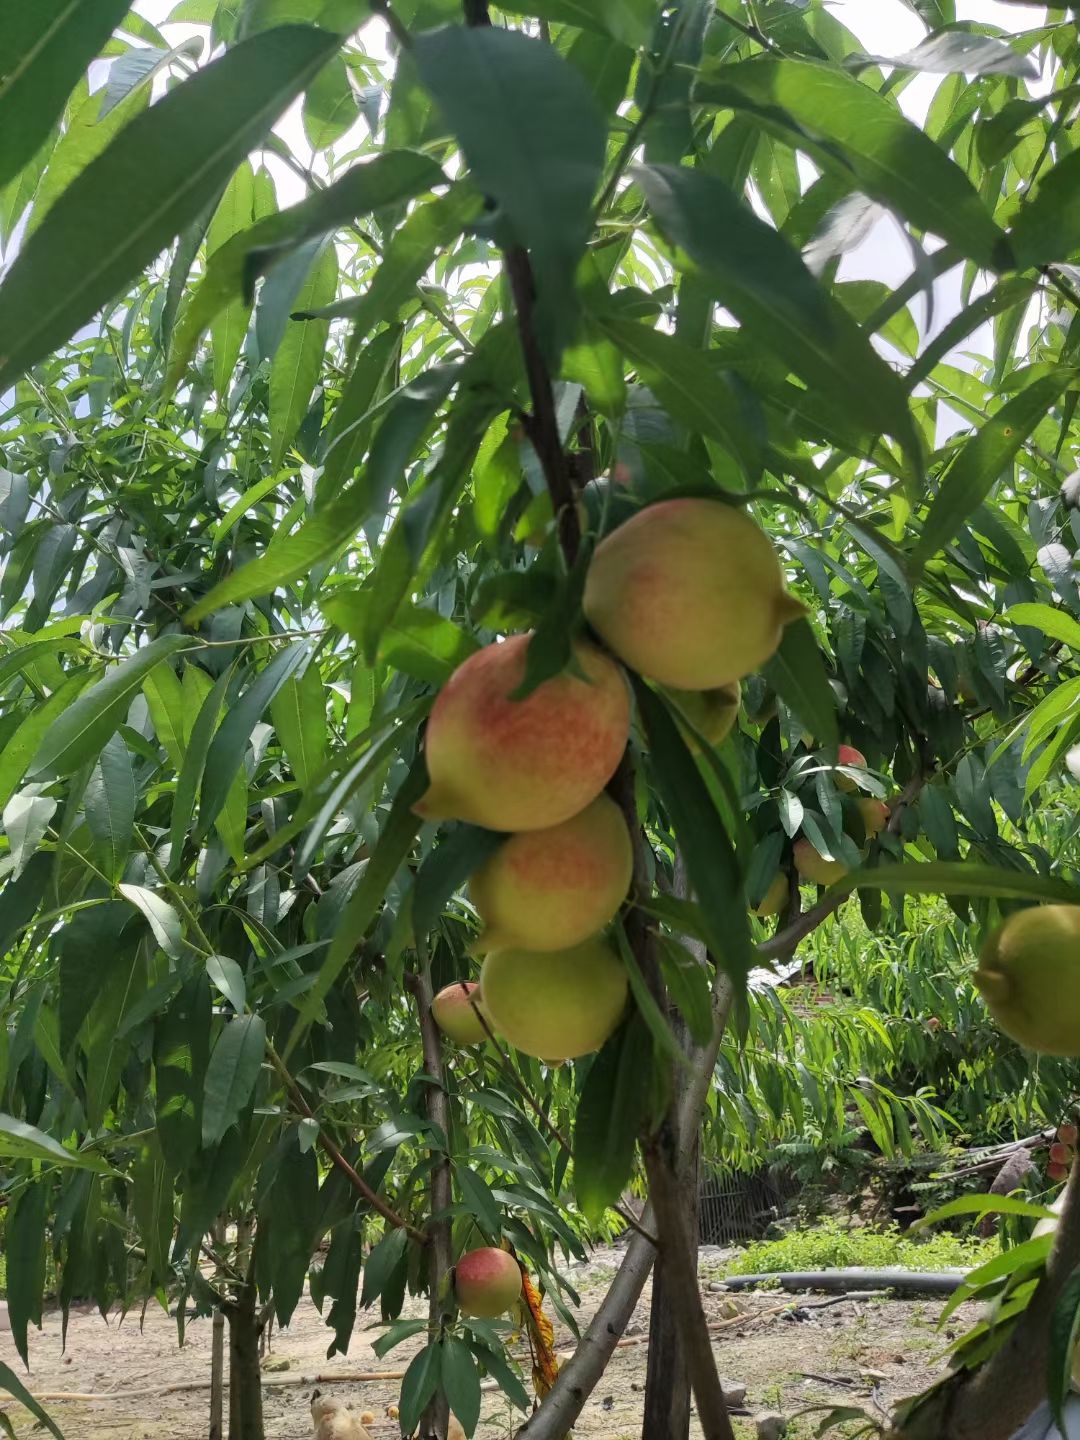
[[830, 1246]]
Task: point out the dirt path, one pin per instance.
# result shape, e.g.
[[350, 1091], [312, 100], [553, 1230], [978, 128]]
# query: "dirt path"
[[847, 1349]]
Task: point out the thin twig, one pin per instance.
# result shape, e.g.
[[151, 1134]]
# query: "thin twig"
[[393, 24], [337, 1159]]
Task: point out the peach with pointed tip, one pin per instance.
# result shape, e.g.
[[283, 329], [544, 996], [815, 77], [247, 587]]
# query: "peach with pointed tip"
[[525, 764], [547, 889], [487, 1282], [555, 1005], [454, 1009], [689, 593], [875, 815], [848, 755], [775, 897], [1029, 976], [813, 866]]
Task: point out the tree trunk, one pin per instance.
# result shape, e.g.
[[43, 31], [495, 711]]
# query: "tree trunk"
[[667, 1379], [217, 1376], [436, 1418], [245, 1378]]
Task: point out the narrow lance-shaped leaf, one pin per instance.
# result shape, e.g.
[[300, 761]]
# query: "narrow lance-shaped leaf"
[[183, 148], [296, 365], [234, 1068]]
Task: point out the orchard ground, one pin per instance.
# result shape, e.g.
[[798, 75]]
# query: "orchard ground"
[[839, 1354]]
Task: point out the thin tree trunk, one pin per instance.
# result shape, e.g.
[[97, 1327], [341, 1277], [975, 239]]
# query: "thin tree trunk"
[[436, 1418], [217, 1376], [245, 1377], [667, 1379]]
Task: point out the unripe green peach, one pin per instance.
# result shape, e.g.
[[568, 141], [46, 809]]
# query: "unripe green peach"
[[814, 867], [848, 755], [547, 889], [487, 1282], [712, 713], [775, 897], [558, 1005], [689, 593], [454, 1009], [1029, 975], [875, 815], [525, 764]]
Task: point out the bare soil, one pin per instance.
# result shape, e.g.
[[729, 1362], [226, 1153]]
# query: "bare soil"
[[786, 1355]]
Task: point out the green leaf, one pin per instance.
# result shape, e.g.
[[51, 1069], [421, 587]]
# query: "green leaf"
[[688, 387], [25, 1249], [1014, 290], [26, 819], [394, 844], [1064, 1333], [298, 361], [9, 1381], [645, 1002], [20, 747], [630, 21], [234, 1068], [984, 1205], [109, 804], [1048, 226], [298, 711], [349, 430], [181, 1056], [965, 877], [81, 731], [418, 641], [797, 673], [20, 1141], [381, 1263], [194, 764], [984, 457], [387, 180], [1055, 623], [710, 856], [162, 918], [47, 48], [226, 752], [183, 149], [534, 139], [234, 213], [461, 1382], [463, 849], [330, 105], [688, 986], [227, 977], [958, 53], [332, 527], [293, 1202], [476, 1196], [764, 283], [419, 1385], [849, 128], [165, 701], [611, 1111]]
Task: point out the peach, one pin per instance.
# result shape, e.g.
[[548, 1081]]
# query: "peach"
[[712, 713], [775, 897], [454, 1009], [814, 867], [689, 593], [875, 814], [1067, 1133], [1057, 1172], [848, 755], [487, 1282], [1029, 976], [1060, 1154], [555, 1005], [548, 889], [526, 764]]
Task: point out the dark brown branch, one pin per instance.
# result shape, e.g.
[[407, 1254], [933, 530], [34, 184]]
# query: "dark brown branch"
[[337, 1159], [394, 25], [542, 425], [476, 12]]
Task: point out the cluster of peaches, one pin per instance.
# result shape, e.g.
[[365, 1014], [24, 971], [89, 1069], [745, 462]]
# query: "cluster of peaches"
[[689, 594]]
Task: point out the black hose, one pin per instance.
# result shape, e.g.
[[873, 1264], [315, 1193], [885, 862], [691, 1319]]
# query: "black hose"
[[911, 1282]]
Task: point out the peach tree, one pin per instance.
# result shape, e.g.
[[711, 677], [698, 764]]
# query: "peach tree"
[[459, 500]]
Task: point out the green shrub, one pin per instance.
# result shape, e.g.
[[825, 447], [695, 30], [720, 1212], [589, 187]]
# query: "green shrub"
[[830, 1245]]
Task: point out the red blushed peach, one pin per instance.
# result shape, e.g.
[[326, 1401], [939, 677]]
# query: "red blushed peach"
[[689, 593], [525, 764], [454, 1009], [848, 755], [546, 889], [1067, 1133], [487, 1283], [875, 814], [1057, 1172], [1061, 1154]]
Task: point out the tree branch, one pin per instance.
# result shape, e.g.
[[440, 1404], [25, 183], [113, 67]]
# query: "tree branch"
[[393, 24], [476, 12], [336, 1158]]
